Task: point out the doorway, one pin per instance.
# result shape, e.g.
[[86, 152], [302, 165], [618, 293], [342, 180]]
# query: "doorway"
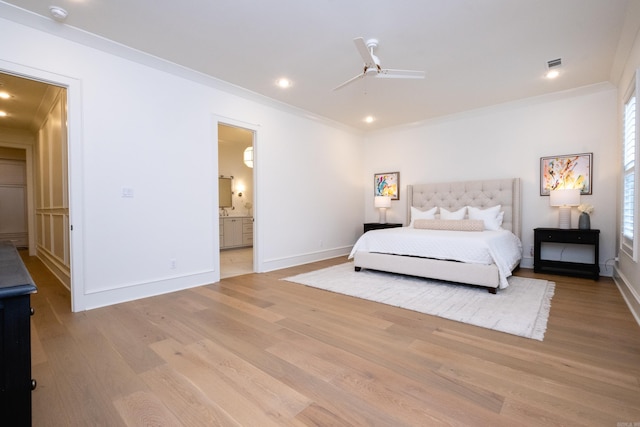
[[236, 219], [37, 124]]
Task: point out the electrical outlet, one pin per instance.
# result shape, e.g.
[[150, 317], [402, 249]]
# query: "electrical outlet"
[[127, 192], [531, 250], [321, 243], [172, 263]]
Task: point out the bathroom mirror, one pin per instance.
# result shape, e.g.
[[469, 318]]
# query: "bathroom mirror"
[[224, 192]]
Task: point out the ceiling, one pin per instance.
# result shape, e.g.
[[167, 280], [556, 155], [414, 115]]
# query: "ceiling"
[[475, 53]]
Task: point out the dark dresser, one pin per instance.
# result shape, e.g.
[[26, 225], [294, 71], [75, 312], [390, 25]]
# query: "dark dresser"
[[16, 383]]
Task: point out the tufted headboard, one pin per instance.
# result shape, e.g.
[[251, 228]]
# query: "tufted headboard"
[[481, 194]]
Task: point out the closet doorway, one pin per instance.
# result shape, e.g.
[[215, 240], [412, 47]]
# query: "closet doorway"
[[36, 125], [236, 219]]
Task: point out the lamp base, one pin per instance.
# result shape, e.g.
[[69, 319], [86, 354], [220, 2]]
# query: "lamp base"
[[565, 217], [383, 215]]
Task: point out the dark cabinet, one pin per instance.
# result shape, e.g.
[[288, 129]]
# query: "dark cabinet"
[[16, 383], [567, 236], [377, 226]]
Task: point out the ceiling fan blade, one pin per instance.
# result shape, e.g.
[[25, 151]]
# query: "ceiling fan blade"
[[364, 52], [400, 74], [351, 80]]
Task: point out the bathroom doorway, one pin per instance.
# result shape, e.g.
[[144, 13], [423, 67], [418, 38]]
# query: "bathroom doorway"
[[236, 219]]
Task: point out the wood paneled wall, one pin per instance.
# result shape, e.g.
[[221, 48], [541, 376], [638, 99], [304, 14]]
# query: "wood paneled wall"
[[13, 200], [52, 199]]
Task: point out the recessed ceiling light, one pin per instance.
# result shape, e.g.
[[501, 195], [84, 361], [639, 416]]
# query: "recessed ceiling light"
[[5, 95], [3, 114], [283, 82], [58, 13], [369, 119]]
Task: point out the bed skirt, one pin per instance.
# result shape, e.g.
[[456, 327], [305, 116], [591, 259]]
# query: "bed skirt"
[[472, 274]]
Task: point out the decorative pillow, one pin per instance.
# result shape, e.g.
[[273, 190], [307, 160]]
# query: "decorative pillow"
[[418, 214], [492, 216], [450, 224], [459, 214]]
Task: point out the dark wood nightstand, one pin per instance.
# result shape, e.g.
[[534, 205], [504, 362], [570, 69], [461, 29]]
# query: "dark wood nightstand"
[[569, 236], [377, 226]]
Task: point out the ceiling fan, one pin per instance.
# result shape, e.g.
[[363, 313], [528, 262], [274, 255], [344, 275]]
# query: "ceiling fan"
[[372, 65]]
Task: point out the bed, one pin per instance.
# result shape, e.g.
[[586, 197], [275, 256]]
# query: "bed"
[[380, 250]]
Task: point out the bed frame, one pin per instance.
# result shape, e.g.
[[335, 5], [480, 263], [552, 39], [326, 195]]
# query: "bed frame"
[[452, 196]]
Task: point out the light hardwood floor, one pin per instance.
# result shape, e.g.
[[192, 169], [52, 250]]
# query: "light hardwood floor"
[[235, 262], [254, 350]]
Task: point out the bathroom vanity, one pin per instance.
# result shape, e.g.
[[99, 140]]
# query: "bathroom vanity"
[[236, 232]]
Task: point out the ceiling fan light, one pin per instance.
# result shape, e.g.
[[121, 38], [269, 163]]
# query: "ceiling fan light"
[[372, 66]]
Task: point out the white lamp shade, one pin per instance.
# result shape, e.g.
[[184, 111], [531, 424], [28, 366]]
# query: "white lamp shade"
[[569, 197], [382, 202]]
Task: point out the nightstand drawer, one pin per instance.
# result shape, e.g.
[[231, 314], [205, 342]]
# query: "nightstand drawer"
[[568, 236]]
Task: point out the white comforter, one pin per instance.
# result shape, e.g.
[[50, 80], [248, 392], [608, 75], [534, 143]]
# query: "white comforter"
[[502, 247]]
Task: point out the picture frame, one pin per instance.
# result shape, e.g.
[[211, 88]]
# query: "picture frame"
[[387, 184], [566, 172]]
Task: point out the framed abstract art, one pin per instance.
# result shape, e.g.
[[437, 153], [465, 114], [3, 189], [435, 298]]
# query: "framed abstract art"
[[387, 184], [566, 172]]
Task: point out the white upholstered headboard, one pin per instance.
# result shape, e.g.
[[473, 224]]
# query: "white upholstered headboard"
[[481, 194]]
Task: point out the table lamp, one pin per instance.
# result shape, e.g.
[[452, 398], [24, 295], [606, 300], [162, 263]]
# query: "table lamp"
[[565, 199], [382, 203]]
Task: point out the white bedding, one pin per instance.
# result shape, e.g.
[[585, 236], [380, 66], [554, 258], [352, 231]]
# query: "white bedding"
[[501, 247]]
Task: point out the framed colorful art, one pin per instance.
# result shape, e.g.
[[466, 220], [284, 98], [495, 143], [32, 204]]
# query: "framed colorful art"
[[387, 184], [566, 172]]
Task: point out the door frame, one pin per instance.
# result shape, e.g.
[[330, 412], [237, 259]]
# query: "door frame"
[[221, 120], [74, 171]]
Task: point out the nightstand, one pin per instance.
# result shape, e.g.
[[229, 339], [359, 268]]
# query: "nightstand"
[[569, 236], [377, 226]]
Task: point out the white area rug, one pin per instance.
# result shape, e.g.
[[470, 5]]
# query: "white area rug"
[[521, 309]]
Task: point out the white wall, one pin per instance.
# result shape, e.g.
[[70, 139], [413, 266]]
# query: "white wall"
[[507, 141], [150, 130]]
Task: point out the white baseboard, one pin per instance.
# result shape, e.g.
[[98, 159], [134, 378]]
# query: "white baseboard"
[[285, 262], [629, 294], [55, 266], [605, 270], [526, 262], [133, 291]]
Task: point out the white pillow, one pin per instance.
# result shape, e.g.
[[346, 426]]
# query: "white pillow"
[[492, 216], [418, 214], [459, 214]]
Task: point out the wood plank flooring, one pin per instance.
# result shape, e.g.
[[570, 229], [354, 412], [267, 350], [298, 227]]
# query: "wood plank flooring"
[[254, 350]]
